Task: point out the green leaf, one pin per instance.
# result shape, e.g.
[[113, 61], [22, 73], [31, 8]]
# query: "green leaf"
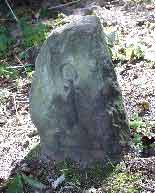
[[15, 185], [129, 53], [135, 124], [33, 183], [137, 138], [138, 52], [30, 74]]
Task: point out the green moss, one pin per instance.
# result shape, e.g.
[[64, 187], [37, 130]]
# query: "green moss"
[[92, 176], [120, 181]]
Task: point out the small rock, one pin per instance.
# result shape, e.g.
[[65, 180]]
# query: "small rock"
[[58, 181], [149, 7], [3, 120], [135, 76], [140, 23], [153, 65], [92, 190], [26, 144], [99, 190]]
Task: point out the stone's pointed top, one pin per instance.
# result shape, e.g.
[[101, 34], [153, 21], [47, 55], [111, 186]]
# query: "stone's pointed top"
[[79, 22], [83, 20]]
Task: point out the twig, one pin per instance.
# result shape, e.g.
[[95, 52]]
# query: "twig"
[[23, 101], [4, 19], [15, 67], [64, 5], [19, 119], [15, 104], [6, 1], [21, 63]]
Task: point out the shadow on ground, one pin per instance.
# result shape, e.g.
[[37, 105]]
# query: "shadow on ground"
[[34, 175]]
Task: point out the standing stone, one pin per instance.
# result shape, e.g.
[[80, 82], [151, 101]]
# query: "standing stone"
[[75, 101]]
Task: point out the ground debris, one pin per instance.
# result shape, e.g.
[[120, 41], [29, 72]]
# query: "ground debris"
[[144, 165]]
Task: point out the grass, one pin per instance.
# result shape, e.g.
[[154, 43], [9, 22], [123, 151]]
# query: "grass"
[[122, 181], [8, 72], [72, 171], [130, 53]]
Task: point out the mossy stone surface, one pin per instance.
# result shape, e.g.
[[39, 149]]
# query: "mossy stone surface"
[[74, 94]]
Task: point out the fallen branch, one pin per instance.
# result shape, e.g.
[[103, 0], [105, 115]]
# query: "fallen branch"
[[64, 5], [15, 67], [12, 11], [20, 62]]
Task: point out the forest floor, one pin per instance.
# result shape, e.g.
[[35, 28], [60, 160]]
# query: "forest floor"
[[130, 28]]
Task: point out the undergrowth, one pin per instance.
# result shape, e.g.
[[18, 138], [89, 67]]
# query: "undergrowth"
[[33, 34], [112, 178], [122, 181], [5, 41], [8, 72], [143, 135]]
